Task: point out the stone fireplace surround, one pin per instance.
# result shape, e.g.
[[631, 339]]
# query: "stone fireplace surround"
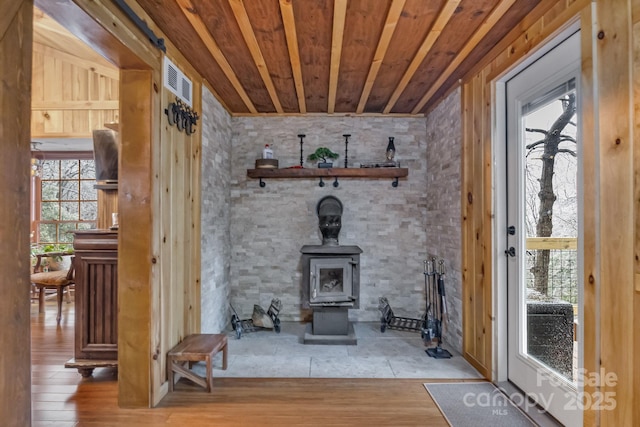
[[245, 262]]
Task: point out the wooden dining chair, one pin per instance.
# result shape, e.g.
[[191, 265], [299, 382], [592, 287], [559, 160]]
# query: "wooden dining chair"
[[57, 280]]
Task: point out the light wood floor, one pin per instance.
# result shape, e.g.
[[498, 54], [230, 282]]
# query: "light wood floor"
[[60, 397]]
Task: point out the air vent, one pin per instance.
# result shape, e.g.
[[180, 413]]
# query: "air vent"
[[177, 82]]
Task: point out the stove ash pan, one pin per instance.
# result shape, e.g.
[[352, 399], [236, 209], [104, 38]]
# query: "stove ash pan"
[[331, 276]]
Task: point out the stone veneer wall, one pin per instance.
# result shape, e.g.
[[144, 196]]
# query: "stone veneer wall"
[[269, 225], [443, 225], [215, 213]]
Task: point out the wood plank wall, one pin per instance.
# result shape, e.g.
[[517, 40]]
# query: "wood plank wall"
[[158, 199], [15, 73], [70, 97], [477, 173], [610, 109], [614, 118], [179, 244]]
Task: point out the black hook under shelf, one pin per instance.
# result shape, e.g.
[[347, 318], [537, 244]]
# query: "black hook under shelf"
[[321, 183], [336, 183], [262, 183], [394, 184]]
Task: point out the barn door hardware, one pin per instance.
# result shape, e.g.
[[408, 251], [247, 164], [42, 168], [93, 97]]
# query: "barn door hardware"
[[157, 42]]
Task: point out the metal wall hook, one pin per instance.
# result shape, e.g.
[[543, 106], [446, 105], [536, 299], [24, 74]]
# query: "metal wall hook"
[[394, 184], [321, 183], [336, 183], [262, 183]]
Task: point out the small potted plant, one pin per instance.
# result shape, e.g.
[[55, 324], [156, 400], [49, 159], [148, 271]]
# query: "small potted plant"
[[323, 154]]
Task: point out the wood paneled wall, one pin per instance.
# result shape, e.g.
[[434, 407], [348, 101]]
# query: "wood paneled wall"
[[15, 73], [611, 160], [158, 199], [179, 234], [71, 96], [477, 173]]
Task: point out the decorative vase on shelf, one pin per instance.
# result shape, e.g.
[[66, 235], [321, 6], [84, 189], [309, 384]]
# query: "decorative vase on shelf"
[[391, 149]]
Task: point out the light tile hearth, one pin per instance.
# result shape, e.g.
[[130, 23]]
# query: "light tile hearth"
[[392, 354]]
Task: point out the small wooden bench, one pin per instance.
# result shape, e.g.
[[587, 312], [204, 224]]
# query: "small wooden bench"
[[196, 348]]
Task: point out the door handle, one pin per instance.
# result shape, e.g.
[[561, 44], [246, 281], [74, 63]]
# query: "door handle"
[[511, 251]]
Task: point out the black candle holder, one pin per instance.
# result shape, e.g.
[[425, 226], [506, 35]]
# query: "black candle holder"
[[346, 143], [301, 136]]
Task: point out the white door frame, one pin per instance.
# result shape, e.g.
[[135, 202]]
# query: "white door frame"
[[499, 190]]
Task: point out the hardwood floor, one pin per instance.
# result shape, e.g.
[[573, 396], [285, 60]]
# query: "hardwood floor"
[[60, 397]]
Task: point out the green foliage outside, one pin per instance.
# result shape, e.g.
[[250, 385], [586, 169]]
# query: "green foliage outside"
[[68, 200]]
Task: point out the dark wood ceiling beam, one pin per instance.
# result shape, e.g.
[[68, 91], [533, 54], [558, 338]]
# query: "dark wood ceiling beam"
[[196, 21], [252, 43], [383, 44], [339, 17], [288, 19], [480, 33], [441, 21]]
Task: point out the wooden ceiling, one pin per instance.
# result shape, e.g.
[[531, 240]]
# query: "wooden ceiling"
[[334, 56], [48, 33], [330, 56]]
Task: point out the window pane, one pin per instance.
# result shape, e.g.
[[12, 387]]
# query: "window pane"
[[50, 190], [66, 229], [47, 233], [88, 210], [69, 211], [87, 192], [50, 169], [49, 211], [69, 190], [87, 169], [69, 169], [86, 225]]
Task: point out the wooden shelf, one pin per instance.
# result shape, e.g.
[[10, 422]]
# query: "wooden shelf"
[[300, 173]]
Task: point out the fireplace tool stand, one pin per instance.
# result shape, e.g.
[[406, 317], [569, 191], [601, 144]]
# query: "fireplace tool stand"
[[437, 307], [247, 325]]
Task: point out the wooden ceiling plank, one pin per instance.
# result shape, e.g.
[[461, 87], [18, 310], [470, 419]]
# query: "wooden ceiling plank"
[[383, 44], [74, 105], [339, 18], [108, 70], [286, 9], [191, 14], [441, 21], [249, 36], [480, 33]]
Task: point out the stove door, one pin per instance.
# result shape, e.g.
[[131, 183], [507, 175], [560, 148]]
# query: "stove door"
[[331, 280]]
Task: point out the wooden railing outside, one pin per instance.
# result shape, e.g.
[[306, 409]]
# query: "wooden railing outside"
[[563, 265]]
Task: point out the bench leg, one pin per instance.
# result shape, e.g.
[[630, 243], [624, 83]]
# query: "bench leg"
[[170, 372], [224, 357], [209, 378]]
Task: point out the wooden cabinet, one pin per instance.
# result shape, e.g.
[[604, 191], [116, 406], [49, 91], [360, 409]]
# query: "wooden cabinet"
[[96, 300]]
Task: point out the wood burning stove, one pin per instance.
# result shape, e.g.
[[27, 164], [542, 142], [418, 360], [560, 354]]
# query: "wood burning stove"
[[330, 279], [330, 287]]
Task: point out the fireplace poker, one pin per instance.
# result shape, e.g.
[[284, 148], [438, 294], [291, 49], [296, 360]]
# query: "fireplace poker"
[[441, 311]]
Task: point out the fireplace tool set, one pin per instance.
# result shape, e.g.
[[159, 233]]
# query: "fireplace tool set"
[[259, 320], [430, 325], [436, 305]]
